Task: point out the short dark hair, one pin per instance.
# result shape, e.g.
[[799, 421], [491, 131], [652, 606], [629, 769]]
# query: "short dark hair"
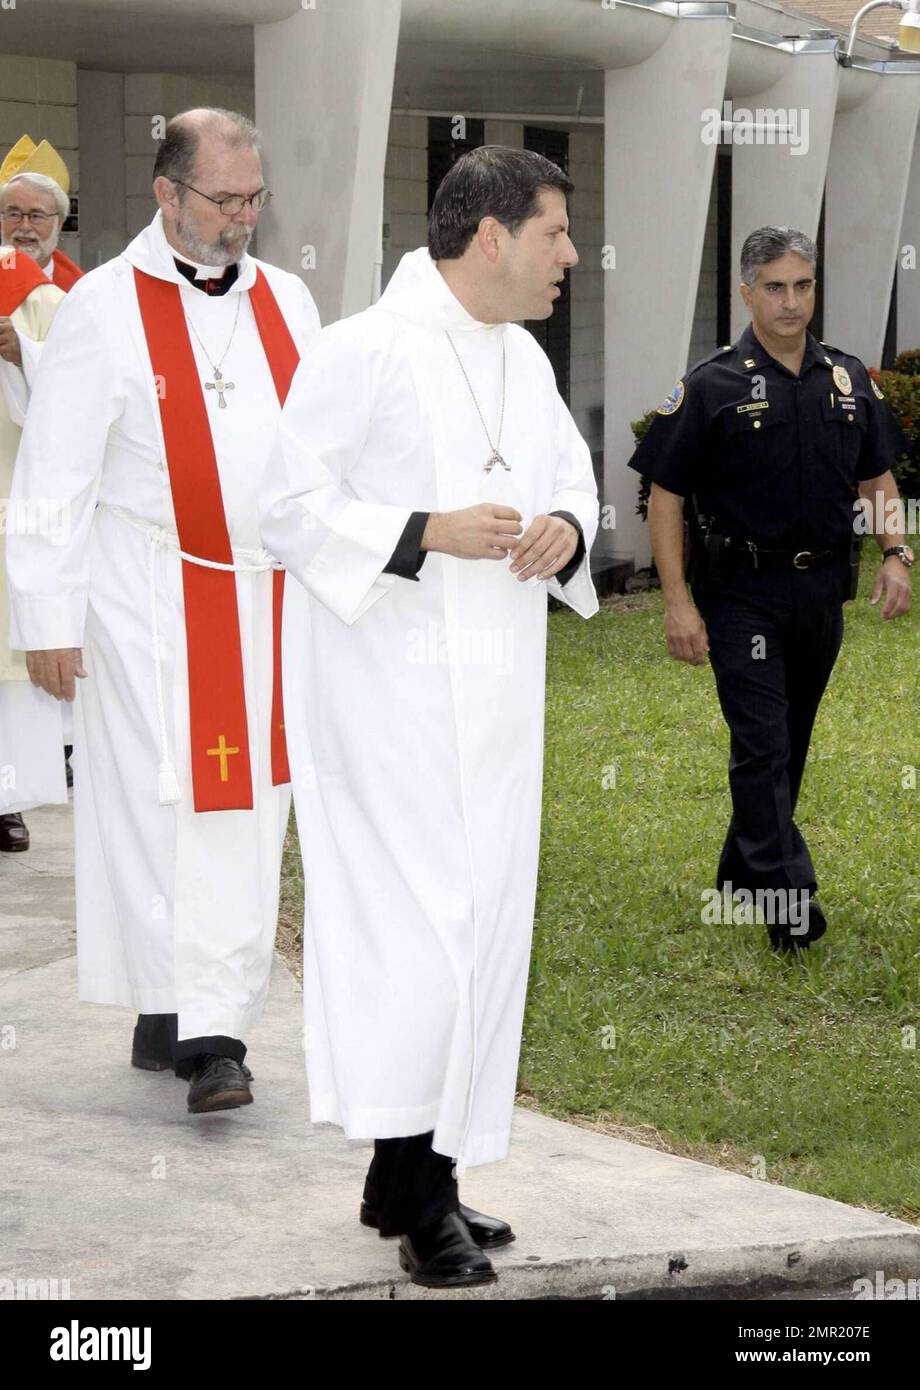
[[770, 244], [491, 181], [178, 149]]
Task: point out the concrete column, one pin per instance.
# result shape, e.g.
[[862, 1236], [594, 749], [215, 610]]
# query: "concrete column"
[[867, 178], [908, 269], [323, 88], [101, 110], [782, 182], [657, 175]]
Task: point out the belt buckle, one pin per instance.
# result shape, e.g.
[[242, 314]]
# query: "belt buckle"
[[802, 554]]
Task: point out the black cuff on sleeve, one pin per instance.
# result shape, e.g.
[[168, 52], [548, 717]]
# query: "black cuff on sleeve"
[[408, 557], [565, 574]]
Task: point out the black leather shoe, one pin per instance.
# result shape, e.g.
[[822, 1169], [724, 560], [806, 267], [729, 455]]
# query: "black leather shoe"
[[14, 836], [151, 1048], [218, 1083], [444, 1255], [487, 1231], [782, 938]]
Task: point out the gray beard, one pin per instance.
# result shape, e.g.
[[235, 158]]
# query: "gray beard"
[[211, 252]]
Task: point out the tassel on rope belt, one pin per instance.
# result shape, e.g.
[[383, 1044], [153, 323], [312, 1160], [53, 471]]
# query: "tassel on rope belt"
[[159, 538]]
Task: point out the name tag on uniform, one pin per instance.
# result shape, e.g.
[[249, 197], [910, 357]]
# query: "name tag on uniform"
[[752, 405]]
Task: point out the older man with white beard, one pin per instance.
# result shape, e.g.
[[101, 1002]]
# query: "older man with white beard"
[[34, 274], [151, 421]]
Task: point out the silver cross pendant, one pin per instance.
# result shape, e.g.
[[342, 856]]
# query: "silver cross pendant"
[[220, 386]]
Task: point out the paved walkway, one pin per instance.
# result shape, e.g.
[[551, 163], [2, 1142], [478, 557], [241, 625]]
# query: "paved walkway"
[[108, 1183]]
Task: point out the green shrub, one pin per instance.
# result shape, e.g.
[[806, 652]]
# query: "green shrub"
[[902, 392], [908, 362]]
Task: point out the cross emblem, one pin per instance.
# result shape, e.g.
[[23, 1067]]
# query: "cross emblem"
[[224, 753], [220, 386]]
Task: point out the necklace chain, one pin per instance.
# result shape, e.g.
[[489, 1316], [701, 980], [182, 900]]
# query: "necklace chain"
[[215, 366], [495, 455]]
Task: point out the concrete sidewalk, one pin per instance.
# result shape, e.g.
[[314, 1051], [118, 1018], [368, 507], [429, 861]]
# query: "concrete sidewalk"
[[108, 1183]]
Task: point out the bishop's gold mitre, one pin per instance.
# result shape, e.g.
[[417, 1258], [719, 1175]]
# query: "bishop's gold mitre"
[[28, 158]]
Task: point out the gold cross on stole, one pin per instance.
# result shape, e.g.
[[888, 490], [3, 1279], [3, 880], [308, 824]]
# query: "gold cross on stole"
[[224, 753]]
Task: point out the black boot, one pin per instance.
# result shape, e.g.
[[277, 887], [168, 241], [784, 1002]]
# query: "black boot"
[[488, 1232], [14, 836], [782, 938], [444, 1255]]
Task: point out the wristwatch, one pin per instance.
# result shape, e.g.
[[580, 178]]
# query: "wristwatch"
[[903, 552]]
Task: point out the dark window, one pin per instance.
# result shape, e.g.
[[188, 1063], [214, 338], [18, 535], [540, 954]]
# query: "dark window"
[[890, 345], [555, 333], [817, 322], [444, 150], [725, 280]]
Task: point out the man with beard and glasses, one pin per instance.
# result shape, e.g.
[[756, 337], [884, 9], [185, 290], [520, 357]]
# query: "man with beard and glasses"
[[34, 275], [150, 423]]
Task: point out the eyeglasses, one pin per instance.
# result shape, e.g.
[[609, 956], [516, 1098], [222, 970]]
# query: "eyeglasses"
[[38, 219], [235, 202]]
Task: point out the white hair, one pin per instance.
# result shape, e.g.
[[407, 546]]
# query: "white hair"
[[42, 181]]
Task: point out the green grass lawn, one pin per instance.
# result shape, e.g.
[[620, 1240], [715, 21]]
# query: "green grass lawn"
[[693, 1037], [795, 1072]]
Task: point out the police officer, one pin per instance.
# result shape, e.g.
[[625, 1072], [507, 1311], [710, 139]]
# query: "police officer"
[[767, 447]]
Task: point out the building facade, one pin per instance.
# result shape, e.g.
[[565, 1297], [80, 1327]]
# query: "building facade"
[[682, 125]]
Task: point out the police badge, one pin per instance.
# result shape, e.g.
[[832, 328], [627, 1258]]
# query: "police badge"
[[842, 381]]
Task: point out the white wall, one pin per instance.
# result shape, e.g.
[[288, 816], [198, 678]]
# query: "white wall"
[[101, 109], [405, 190], [586, 215], [149, 95]]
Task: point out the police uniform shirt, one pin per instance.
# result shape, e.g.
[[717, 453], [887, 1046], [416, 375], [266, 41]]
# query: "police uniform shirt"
[[772, 457]]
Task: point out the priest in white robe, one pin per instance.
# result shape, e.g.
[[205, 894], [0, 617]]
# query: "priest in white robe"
[[31, 733], [151, 419], [414, 694], [35, 729]]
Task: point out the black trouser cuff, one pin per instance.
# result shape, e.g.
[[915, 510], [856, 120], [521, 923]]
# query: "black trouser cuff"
[[156, 1036], [409, 1185], [220, 1046]]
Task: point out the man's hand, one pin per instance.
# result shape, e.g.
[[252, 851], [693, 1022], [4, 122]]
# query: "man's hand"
[[545, 548], [483, 532], [55, 670], [686, 633], [892, 580], [9, 343]]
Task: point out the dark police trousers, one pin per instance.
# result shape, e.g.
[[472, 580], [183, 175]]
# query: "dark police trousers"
[[774, 636], [409, 1184]]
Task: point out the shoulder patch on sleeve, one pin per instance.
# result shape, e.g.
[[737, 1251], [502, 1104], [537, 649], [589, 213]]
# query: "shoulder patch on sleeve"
[[672, 402], [876, 388]]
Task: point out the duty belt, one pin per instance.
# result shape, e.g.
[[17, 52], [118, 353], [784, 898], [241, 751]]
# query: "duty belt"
[[758, 556]]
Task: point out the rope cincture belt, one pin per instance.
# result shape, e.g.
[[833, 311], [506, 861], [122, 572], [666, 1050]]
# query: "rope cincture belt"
[[159, 538]]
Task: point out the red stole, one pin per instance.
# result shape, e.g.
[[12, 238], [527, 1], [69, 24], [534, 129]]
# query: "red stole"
[[221, 771], [19, 276], [66, 272]]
